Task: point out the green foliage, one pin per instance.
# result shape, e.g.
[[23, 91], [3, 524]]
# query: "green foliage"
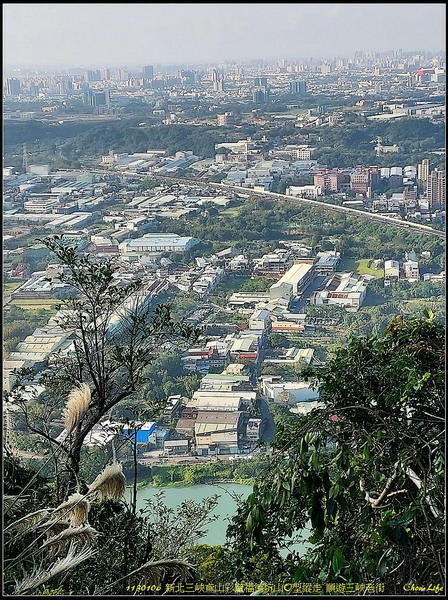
[[328, 311], [283, 417], [256, 284], [126, 541], [69, 141], [29, 493], [214, 563], [287, 372], [279, 340], [174, 530], [419, 289], [261, 223], [19, 323], [59, 591], [164, 376], [349, 144], [149, 184], [239, 471], [371, 481], [256, 220], [114, 341]]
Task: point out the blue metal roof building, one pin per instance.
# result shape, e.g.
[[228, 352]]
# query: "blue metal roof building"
[[143, 433]]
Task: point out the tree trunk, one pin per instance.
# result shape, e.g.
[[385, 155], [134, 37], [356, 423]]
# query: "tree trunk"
[[68, 481]]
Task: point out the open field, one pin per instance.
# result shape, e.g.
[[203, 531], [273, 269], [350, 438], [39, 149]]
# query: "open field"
[[38, 304], [362, 266], [10, 287], [230, 212]]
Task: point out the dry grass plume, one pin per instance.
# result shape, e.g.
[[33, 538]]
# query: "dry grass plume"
[[75, 509], [42, 575], [28, 522], [78, 402], [83, 535], [110, 484]]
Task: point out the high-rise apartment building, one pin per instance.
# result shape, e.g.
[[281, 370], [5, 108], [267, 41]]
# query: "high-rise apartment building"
[[222, 120], [297, 87], [93, 75], [375, 176], [64, 86], [333, 181], [261, 82], [360, 180], [34, 89], [12, 87], [188, 77], [423, 170], [97, 98], [148, 72], [218, 86], [260, 95], [435, 189]]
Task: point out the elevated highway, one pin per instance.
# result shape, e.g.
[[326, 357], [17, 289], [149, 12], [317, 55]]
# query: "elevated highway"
[[417, 227]]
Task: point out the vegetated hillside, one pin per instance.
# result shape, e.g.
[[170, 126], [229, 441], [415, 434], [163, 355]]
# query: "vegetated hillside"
[[344, 146], [72, 140], [19, 132], [353, 144], [124, 137]]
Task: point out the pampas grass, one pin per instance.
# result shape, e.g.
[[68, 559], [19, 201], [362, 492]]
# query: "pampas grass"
[[110, 484], [75, 509], [9, 501], [28, 522], [41, 575], [156, 571], [78, 402], [83, 535], [52, 528]]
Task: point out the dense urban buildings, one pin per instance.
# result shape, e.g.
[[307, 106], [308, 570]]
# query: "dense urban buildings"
[[244, 221]]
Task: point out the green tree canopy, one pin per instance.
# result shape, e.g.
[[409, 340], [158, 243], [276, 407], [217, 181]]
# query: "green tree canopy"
[[365, 472]]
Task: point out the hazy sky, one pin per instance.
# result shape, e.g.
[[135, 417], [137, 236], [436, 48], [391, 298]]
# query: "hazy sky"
[[135, 34]]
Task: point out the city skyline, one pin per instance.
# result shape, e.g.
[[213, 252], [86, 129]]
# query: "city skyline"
[[86, 35]]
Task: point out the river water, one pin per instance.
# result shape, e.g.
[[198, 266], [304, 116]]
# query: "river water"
[[226, 507]]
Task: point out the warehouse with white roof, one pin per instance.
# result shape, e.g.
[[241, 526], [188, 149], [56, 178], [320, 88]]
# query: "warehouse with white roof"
[[153, 243]]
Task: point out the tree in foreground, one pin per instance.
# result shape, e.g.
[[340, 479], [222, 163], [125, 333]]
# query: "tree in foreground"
[[62, 529], [362, 479], [116, 334]]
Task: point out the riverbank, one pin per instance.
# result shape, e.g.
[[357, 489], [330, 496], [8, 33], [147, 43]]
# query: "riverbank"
[[239, 472], [205, 481]]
